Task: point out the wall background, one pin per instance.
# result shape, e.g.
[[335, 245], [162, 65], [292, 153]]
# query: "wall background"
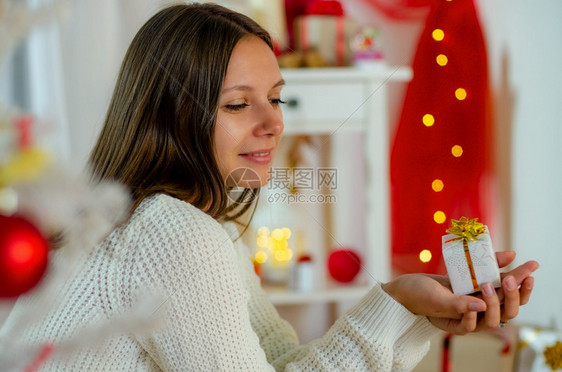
[[525, 58]]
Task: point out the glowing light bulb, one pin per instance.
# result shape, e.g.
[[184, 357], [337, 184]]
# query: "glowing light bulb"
[[425, 256], [457, 151], [442, 60], [437, 185], [260, 257], [428, 120], [283, 255], [277, 234], [262, 241], [439, 217], [460, 93], [263, 231], [438, 34]]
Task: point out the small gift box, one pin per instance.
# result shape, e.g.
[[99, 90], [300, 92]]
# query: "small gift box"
[[329, 35], [469, 256], [538, 350]]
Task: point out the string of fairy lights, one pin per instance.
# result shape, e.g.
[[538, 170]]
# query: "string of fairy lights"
[[429, 120]]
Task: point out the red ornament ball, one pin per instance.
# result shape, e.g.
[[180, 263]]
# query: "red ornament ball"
[[344, 265], [23, 256]]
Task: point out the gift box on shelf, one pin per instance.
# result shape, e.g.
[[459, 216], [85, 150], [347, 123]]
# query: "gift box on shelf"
[[469, 256], [329, 35], [539, 350]]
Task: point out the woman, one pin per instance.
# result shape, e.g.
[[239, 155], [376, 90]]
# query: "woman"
[[197, 99]]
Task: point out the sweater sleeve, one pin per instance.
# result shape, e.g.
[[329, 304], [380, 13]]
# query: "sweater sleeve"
[[377, 334]]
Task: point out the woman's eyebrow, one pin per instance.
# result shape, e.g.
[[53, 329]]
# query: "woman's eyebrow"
[[279, 83], [243, 87]]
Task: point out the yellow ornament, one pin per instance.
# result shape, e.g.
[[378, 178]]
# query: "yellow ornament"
[[23, 167]]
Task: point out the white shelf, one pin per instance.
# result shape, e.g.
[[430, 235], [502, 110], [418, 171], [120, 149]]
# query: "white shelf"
[[327, 101], [324, 101], [346, 74], [324, 129]]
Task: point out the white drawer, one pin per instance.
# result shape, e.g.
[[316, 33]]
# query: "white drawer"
[[323, 106]]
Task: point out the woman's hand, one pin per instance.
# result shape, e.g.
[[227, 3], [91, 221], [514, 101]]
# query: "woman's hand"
[[431, 295]]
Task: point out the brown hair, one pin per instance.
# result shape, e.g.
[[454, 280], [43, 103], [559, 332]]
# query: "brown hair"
[[158, 135]]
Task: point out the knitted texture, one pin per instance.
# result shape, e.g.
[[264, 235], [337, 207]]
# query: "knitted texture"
[[216, 315]]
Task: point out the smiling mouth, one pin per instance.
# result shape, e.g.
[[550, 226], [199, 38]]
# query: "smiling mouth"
[[261, 157]]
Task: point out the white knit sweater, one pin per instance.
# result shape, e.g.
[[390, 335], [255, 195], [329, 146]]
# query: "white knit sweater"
[[217, 317]]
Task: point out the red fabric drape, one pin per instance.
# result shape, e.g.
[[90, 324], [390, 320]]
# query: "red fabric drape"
[[421, 154], [401, 9]]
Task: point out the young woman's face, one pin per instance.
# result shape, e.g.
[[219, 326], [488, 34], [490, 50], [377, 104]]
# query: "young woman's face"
[[249, 121]]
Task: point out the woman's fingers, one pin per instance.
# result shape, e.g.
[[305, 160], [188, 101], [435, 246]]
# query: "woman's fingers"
[[458, 306], [523, 271], [465, 324], [520, 274], [464, 314], [468, 323], [511, 298], [526, 289], [505, 258], [492, 316]]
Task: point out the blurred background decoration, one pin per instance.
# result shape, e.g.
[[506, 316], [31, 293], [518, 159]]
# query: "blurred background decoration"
[[275, 253], [50, 216]]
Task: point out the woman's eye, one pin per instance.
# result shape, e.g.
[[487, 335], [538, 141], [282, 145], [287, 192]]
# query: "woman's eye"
[[236, 107], [276, 101]]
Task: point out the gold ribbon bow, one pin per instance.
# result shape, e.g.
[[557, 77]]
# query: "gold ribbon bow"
[[466, 228]]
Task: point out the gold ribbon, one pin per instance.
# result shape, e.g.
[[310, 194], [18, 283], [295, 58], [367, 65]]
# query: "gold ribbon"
[[467, 229]]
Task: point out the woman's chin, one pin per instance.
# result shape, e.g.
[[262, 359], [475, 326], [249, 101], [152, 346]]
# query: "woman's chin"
[[248, 178]]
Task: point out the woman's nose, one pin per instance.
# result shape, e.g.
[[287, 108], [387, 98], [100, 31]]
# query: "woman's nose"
[[271, 121]]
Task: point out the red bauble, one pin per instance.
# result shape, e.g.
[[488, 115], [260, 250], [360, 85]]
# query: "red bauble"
[[344, 265], [23, 256]]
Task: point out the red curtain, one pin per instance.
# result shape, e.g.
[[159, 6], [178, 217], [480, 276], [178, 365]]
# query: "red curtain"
[[429, 184], [401, 9]]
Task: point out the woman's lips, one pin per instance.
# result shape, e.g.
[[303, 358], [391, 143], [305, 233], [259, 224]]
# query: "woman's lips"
[[258, 157]]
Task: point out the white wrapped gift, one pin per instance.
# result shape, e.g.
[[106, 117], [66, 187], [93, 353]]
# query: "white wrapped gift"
[[469, 256]]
